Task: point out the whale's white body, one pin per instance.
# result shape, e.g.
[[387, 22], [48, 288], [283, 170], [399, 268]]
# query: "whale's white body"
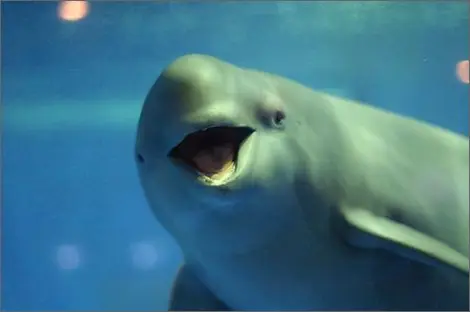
[[344, 207]]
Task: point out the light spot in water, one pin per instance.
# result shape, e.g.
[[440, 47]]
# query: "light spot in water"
[[144, 255], [73, 11], [462, 71], [68, 257]]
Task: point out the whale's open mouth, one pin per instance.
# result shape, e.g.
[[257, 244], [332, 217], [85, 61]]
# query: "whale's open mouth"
[[212, 152]]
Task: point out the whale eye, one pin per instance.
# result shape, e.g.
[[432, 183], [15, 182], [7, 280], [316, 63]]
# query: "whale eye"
[[273, 118], [140, 159], [278, 118], [271, 111]]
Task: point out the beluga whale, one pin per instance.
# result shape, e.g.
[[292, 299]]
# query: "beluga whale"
[[286, 198]]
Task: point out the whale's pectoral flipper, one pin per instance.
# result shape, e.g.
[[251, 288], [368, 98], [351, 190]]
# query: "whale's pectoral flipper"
[[189, 293], [365, 229]]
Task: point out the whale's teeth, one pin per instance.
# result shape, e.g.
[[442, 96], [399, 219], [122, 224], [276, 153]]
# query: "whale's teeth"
[[226, 172], [219, 178]]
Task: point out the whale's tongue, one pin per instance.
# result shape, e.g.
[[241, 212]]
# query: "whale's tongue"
[[215, 160]]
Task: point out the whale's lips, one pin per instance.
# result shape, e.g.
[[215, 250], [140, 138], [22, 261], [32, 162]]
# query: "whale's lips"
[[213, 151]]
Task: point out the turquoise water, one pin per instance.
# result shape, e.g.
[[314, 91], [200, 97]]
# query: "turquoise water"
[[76, 231]]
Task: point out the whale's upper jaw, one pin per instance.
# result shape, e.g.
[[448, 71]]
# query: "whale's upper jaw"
[[211, 153]]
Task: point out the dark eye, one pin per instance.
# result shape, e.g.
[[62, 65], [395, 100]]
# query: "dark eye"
[[278, 119], [273, 118], [140, 158]]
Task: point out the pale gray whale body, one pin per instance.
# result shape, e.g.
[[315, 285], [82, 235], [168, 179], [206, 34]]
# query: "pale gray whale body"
[[283, 198]]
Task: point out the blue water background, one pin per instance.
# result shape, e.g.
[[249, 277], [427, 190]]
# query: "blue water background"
[[76, 231]]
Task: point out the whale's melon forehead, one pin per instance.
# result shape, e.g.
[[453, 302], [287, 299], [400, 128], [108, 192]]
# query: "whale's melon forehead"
[[188, 90], [193, 70]]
